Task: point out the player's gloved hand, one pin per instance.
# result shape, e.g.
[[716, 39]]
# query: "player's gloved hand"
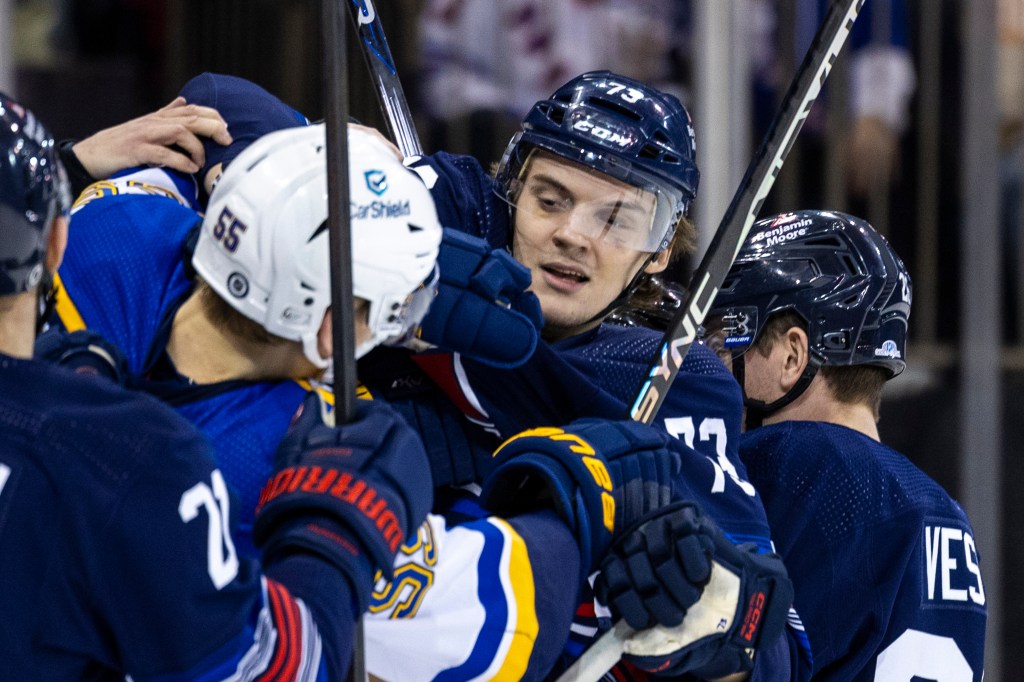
[[83, 351], [351, 494], [482, 308], [712, 603], [598, 475]]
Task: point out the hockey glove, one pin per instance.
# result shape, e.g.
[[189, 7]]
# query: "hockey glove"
[[712, 602], [351, 494], [83, 351], [482, 308], [598, 475]]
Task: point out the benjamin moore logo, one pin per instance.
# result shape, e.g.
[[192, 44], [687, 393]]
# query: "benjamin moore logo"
[[376, 181]]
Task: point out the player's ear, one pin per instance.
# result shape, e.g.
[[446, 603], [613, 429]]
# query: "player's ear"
[[658, 263], [57, 242], [793, 344], [325, 337]]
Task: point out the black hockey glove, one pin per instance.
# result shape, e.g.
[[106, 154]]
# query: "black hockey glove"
[[84, 352], [598, 475], [714, 602], [351, 494], [482, 308]]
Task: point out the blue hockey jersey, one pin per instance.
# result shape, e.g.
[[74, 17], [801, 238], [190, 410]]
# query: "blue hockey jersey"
[[115, 552], [491, 597], [883, 561]]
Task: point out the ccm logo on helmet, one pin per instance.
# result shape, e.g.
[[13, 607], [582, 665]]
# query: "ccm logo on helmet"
[[603, 134]]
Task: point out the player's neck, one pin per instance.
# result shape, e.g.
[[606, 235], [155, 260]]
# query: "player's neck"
[[206, 353], [817, 404], [18, 324]]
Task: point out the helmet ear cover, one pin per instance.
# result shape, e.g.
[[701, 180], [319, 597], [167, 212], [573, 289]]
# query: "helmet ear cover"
[[263, 246], [34, 190]]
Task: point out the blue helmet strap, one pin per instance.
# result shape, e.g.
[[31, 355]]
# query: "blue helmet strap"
[[757, 410]]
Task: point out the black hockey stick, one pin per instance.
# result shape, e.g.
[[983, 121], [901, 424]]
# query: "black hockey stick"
[[385, 75], [716, 599], [335, 89], [745, 205]]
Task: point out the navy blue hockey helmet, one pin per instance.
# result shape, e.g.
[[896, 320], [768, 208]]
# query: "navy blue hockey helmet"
[[249, 110], [33, 189], [620, 127], [832, 269]]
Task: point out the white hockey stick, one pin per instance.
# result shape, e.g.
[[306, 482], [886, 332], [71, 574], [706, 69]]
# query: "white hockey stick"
[[382, 67]]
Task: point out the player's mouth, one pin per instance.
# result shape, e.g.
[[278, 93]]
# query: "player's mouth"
[[564, 277]]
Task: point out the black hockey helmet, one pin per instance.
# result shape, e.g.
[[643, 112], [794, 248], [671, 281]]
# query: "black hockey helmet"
[[620, 127], [832, 269], [33, 190]]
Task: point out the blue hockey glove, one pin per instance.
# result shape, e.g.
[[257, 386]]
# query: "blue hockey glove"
[[83, 351], [660, 573], [598, 475], [351, 494], [482, 308]]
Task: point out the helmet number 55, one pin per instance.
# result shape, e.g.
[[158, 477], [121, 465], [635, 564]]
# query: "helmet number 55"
[[228, 229]]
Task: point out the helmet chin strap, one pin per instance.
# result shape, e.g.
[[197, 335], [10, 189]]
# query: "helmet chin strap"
[[639, 278], [757, 410]]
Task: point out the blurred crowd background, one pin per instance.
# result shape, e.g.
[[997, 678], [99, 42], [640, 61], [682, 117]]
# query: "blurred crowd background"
[[920, 130]]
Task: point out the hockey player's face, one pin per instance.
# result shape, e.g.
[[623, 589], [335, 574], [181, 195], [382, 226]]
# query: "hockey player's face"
[[572, 227]]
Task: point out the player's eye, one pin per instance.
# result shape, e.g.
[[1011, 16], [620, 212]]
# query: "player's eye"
[[549, 200]]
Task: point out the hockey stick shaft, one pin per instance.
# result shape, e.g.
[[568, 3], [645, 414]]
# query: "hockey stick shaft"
[[385, 76], [340, 244], [706, 280], [338, 216], [744, 207]]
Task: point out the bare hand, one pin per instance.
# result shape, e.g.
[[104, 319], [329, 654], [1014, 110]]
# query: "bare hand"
[[150, 140]]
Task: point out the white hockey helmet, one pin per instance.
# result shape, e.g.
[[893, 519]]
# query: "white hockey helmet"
[[263, 247]]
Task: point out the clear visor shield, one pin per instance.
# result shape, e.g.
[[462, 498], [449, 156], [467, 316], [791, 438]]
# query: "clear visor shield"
[[730, 331], [413, 310], [598, 207]]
